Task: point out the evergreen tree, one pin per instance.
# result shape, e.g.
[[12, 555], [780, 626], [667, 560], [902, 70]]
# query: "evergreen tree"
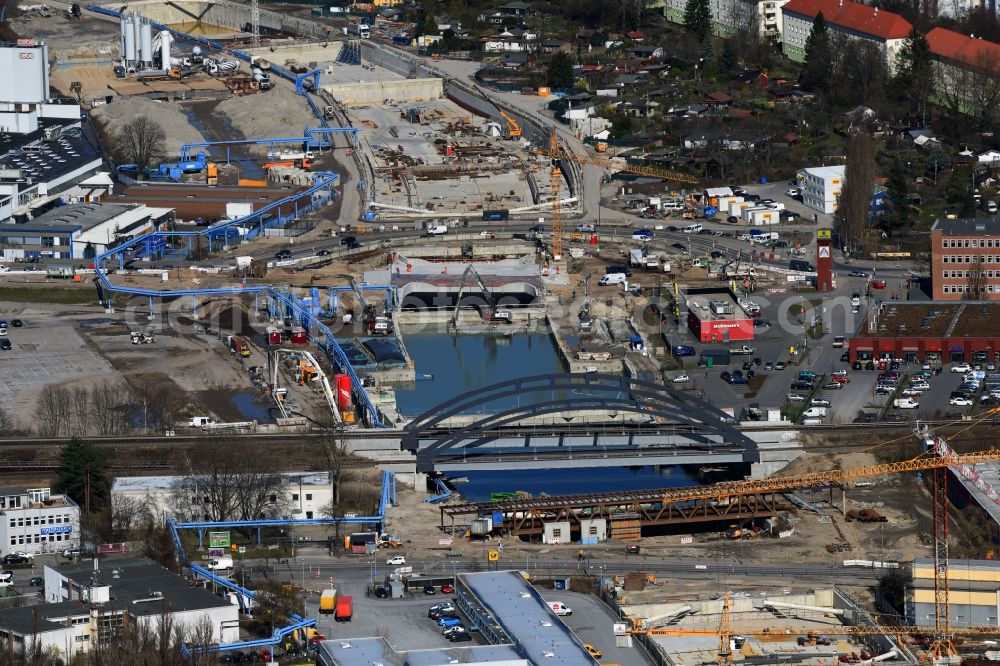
[[728, 60], [819, 57], [914, 79], [83, 475], [698, 19], [560, 71], [899, 191]]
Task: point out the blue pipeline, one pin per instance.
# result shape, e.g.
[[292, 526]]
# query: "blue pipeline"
[[308, 139], [443, 493], [317, 331]]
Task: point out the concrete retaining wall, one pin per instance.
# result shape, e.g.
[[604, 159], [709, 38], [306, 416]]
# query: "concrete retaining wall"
[[227, 15], [300, 53], [409, 90]]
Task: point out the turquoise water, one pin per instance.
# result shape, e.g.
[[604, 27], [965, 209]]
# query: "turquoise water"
[[458, 363]]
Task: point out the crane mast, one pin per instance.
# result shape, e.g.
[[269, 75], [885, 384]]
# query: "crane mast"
[[556, 185]]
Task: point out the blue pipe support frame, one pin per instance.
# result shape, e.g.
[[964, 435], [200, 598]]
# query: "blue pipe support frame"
[[298, 622], [320, 334], [308, 140]]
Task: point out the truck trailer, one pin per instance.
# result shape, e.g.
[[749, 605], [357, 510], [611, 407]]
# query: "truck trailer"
[[344, 609], [327, 601]]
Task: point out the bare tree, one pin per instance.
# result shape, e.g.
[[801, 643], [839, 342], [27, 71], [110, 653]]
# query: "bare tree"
[[141, 142], [53, 411], [976, 282], [972, 90], [229, 479], [162, 403], [8, 426], [856, 195], [334, 454], [109, 407]]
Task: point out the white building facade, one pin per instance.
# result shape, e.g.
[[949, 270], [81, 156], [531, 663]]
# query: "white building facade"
[[732, 16], [821, 188], [305, 495], [33, 520]]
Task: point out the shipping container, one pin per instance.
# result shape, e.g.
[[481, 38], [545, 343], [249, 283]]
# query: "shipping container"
[[299, 336], [327, 601], [345, 609], [273, 335], [498, 215]]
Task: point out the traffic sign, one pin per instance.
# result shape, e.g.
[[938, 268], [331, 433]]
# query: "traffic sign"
[[493, 556]]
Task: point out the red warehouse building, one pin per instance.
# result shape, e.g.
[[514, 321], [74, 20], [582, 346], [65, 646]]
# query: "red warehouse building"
[[714, 315], [930, 332]]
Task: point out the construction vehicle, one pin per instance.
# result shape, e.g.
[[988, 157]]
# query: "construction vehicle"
[[513, 128], [151, 75], [327, 601], [491, 312], [238, 345], [586, 320], [373, 322], [212, 174], [345, 609], [306, 370], [304, 163]]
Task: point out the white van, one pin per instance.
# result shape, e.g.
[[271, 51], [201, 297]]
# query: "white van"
[[612, 278], [559, 608], [437, 230], [586, 228], [814, 413], [692, 229], [220, 563], [672, 206]]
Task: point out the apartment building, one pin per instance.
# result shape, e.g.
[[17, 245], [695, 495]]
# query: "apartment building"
[[732, 16], [821, 187], [846, 20]]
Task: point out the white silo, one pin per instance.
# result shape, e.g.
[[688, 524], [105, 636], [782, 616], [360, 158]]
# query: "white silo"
[[130, 54], [122, 24], [164, 49], [147, 43], [137, 28]]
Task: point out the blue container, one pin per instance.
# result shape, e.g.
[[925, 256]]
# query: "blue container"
[[763, 180], [497, 518]]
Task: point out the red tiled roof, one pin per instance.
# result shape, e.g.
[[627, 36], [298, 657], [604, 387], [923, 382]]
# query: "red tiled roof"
[[960, 48], [853, 16]]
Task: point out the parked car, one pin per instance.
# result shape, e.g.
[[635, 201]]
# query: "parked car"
[[681, 378], [845, 357], [769, 365], [792, 192], [780, 365], [921, 386], [683, 350], [396, 560], [860, 274], [961, 402], [841, 379], [802, 385], [644, 235], [905, 403], [831, 386], [795, 397], [592, 651], [819, 402], [447, 588], [283, 254], [36, 581], [429, 590], [459, 637], [16, 323], [5, 344]]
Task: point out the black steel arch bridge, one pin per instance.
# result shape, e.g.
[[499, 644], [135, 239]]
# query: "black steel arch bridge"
[[574, 420]]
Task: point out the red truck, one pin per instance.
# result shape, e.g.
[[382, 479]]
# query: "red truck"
[[345, 609]]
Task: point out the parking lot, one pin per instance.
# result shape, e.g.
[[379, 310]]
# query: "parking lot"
[[592, 622], [44, 351], [402, 622]]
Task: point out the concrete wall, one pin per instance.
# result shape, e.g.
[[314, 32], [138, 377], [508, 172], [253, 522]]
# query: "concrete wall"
[[324, 52], [227, 15], [408, 90]]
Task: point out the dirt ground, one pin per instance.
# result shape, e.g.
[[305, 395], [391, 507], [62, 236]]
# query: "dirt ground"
[[903, 537]]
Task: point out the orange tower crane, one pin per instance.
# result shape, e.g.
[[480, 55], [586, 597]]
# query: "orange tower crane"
[[942, 644], [556, 185]]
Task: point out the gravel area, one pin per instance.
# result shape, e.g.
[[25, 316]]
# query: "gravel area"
[[274, 113], [170, 116]]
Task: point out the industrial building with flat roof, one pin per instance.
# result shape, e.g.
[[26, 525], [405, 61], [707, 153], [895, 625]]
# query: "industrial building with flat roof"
[[974, 587], [507, 611], [33, 520], [89, 604], [929, 332]]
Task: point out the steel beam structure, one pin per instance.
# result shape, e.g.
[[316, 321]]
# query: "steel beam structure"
[[570, 393]]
